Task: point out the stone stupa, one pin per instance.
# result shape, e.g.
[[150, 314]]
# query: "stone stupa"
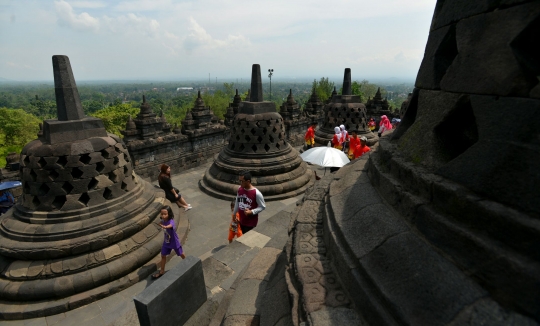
[[83, 228], [345, 109], [257, 144]]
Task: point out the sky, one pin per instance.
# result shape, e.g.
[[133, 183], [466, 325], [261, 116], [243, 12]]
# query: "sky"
[[188, 39]]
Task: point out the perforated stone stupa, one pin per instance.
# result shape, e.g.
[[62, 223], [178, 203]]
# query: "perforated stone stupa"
[[345, 109], [84, 222], [257, 144]]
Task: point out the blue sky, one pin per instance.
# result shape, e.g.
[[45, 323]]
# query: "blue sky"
[[175, 40]]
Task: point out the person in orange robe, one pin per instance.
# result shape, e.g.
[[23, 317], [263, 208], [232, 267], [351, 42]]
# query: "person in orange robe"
[[310, 135], [353, 142], [362, 148]]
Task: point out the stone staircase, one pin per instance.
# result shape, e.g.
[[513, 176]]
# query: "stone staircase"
[[245, 280]]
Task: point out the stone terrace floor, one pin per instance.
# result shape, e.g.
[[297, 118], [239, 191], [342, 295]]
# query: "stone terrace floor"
[[209, 221]]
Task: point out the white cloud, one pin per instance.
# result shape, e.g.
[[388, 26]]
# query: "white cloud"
[[81, 22], [88, 4], [132, 24], [198, 37], [144, 5]]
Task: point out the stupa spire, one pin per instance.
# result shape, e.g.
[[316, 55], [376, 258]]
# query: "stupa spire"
[[68, 102], [347, 88], [256, 94]]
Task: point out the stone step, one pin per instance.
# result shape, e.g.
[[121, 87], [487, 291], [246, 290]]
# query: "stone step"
[[243, 265]]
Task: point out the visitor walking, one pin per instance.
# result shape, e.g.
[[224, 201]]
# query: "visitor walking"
[[384, 125], [234, 228], [353, 142], [336, 140], [371, 124], [171, 241], [171, 193], [344, 138], [310, 135], [362, 148], [249, 203]]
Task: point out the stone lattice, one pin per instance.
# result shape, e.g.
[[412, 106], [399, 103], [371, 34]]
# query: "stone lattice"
[[84, 221], [257, 144], [344, 110]]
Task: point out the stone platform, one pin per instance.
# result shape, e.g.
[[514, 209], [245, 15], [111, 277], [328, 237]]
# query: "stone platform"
[[389, 231]]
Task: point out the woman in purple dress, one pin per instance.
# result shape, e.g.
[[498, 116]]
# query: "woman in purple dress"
[[171, 241]]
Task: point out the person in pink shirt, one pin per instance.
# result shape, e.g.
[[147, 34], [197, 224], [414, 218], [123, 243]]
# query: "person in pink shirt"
[[384, 125]]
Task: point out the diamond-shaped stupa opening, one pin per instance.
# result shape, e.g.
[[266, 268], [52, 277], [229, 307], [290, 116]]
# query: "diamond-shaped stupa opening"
[[42, 162], [85, 159], [54, 174], [107, 194], [113, 177], [100, 166], [67, 187], [254, 148], [76, 173], [105, 153], [92, 184], [43, 189], [266, 147], [33, 175], [84, 198], [59, 201], [62, 161], [35, 201]]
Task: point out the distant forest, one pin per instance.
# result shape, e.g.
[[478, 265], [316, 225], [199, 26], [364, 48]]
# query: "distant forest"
[[24, 105]]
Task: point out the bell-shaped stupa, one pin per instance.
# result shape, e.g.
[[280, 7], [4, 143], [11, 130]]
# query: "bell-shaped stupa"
[[345, 109], [257, 144], [83, 227]]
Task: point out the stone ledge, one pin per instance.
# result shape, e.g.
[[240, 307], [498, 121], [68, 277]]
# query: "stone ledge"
[[26, 309]]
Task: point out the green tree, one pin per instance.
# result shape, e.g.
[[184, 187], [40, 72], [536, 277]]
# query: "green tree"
[[115, 117], [324, 88], [17, 128]]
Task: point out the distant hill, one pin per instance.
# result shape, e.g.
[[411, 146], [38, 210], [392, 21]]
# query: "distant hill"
[[5, 80]]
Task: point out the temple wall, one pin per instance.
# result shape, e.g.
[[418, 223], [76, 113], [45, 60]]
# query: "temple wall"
[[182, 152], [296, 129]]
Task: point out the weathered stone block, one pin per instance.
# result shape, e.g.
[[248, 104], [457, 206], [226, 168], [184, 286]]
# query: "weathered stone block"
[[184, 285]]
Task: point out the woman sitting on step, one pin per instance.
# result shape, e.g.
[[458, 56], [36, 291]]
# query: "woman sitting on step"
[[171, 193]]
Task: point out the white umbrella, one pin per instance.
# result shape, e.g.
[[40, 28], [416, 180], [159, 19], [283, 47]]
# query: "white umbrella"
[[325, 157]]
